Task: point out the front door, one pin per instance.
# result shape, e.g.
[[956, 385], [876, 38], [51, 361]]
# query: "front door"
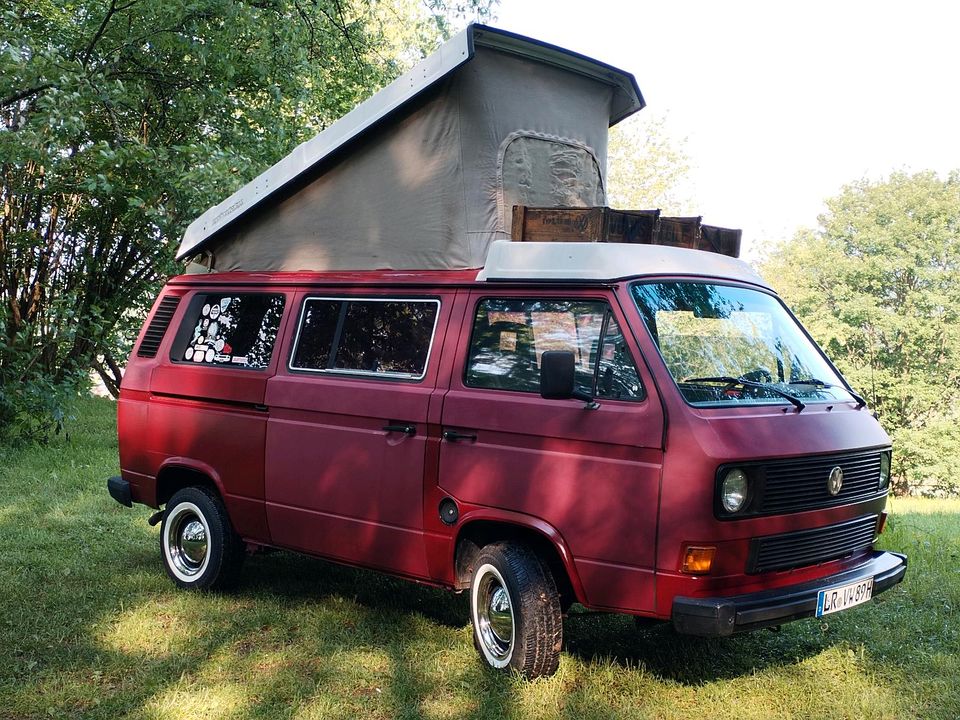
[[591, 473]]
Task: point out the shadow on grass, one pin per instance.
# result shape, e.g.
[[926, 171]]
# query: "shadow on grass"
[[302, 637], [589, 637], [684, 659], [288, 576]]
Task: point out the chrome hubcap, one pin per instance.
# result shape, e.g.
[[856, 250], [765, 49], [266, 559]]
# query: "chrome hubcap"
[[494, 616], [193, 541], [186, 540]]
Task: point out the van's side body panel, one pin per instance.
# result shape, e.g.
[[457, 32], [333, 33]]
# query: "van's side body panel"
[[440, 538], [137, 466], [211, 420]]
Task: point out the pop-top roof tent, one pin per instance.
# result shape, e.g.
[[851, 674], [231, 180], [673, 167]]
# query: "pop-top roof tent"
[[425, 173]]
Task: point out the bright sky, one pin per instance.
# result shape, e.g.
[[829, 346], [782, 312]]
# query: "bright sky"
[[781, 103]]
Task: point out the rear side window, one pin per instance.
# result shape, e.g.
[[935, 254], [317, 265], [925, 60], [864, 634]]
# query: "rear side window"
[[236, 330], [510, 335], [383, 338]]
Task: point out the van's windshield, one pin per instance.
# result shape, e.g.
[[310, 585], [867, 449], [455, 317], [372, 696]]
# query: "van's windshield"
[[728, 345]]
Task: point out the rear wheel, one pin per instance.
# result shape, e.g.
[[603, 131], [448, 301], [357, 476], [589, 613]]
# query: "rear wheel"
[[515, 608], [200, 549]]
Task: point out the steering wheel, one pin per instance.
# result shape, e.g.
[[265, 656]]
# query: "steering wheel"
[[761, 374]]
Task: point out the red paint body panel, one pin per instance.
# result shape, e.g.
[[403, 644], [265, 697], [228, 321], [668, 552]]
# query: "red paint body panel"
[[700, 440], [201, 418], [439, 538], [344, 280], [303, 460], [133, 423], [341, 464]]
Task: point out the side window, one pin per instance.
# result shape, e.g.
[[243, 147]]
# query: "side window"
[[617, 376], [535, 169], [234, 329], [387, 338], [318, 326], [510, 335]]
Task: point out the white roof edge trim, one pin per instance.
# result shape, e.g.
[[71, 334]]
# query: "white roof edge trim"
[[448, 57], [507, 260], [626, 102]]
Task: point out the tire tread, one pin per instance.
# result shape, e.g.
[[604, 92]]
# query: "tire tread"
[[537, 615], [223, 569]]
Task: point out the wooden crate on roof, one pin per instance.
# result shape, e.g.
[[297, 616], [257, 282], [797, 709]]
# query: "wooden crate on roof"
[[590, 224], [604, 224], [679, 232], [725, 241]]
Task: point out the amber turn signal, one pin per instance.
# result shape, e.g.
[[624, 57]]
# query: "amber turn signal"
[[697, 560]]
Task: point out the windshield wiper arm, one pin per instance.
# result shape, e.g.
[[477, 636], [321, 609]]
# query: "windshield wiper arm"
[[731, 381], [820, 383]]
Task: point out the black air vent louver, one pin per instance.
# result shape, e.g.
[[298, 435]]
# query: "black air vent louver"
[[158, 326]]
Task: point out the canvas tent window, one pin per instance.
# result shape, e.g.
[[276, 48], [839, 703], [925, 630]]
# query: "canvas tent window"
[[537, 169]]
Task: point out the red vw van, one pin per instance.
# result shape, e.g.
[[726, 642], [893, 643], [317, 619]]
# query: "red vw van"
[[638, 429]]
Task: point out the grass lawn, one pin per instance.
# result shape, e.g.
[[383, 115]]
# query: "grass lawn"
[[90, 627]]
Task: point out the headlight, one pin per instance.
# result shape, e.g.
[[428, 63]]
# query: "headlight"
[[884, 470], [733, 490]]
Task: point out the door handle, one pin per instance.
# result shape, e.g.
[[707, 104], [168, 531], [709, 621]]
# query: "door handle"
[[401, 428], [453, 436]]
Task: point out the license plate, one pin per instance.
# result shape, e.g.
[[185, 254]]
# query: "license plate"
[[840, 598]]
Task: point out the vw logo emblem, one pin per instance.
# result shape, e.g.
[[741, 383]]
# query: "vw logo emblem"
[[835, 481]]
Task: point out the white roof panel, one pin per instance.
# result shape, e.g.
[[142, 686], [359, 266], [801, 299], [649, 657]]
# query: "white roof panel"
[[508, 260]]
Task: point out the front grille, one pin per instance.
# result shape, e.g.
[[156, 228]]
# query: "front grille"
[[809, 547], [801, 484]]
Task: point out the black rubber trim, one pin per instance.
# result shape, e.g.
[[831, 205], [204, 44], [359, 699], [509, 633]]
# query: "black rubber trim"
[[724, 616], [241, 404], [158, 326], [119, 490]]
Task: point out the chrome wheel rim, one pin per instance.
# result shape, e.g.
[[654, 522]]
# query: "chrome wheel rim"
[[186, 543], [493, 616]]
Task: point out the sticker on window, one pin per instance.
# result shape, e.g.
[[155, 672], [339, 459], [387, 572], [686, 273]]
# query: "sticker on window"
[[236, 330]]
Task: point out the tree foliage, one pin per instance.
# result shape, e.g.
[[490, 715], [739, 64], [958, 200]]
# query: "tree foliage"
[[121, 120], [878, 285], [647, 166]]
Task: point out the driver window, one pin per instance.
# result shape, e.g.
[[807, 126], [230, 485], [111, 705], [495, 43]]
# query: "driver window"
[[510, 335], [617, 377]]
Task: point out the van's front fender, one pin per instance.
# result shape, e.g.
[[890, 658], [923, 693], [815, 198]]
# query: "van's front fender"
[[491, 524]]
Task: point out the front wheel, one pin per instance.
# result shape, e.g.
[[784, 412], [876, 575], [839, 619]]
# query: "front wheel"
[[200, 549], [515, 607]]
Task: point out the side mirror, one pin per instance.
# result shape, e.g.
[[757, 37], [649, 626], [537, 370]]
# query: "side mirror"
[[557, 377]]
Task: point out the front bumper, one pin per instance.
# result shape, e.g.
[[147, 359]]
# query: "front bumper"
[[722, 616]]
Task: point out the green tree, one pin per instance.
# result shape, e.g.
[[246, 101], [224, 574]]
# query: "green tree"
[[878, 285], [122, 120], [647, 167]]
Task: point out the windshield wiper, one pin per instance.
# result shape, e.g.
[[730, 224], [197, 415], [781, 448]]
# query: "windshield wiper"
[[731, 381], [820, 383]]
